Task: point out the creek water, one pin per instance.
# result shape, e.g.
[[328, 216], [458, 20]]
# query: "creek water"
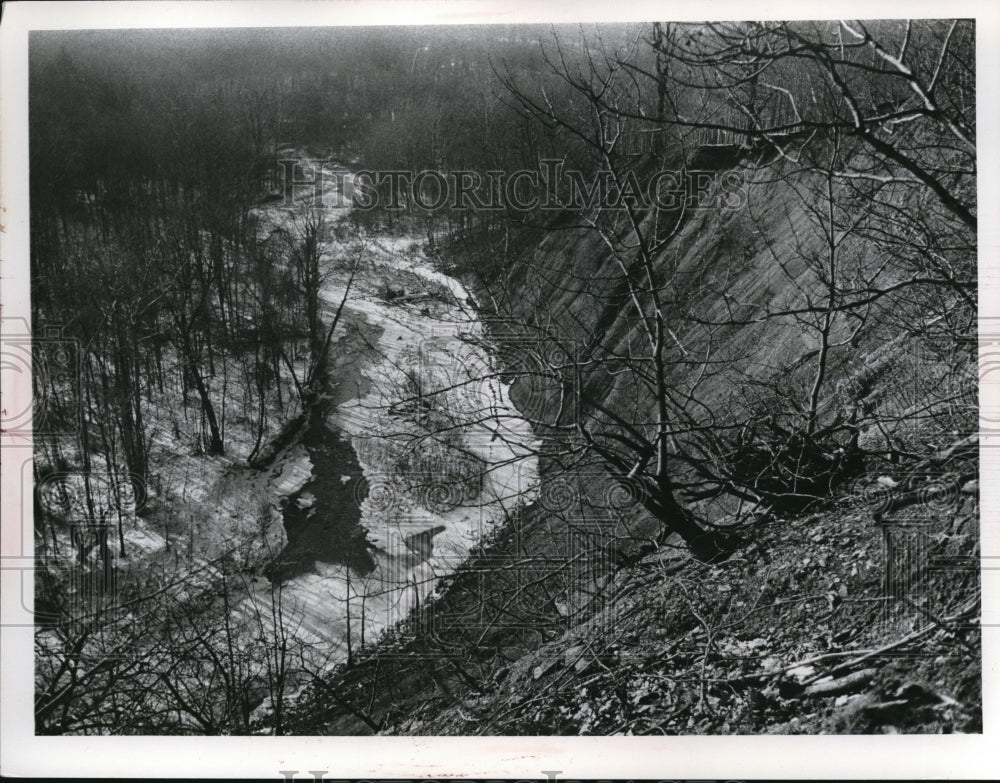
[[374, 516]]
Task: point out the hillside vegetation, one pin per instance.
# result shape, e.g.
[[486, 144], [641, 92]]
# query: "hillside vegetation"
[[759, 506], [734, 305]]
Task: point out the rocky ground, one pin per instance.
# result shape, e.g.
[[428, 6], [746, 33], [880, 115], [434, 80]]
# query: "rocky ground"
[[831, 622]]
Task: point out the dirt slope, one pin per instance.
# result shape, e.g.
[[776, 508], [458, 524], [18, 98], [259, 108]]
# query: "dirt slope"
[[858, 615]]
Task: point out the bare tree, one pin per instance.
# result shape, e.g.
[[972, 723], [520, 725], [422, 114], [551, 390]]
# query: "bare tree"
[[637, 446]]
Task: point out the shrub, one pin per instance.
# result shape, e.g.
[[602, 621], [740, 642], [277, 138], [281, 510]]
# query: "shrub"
[[792, 468]]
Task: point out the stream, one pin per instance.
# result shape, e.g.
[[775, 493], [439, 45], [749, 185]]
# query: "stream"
[[378, 508]]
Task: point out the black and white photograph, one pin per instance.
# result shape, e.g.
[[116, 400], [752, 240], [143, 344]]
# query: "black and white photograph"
[[503, 378]]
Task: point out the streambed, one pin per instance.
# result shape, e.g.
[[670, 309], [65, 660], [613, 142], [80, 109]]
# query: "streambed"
[[374, 513]]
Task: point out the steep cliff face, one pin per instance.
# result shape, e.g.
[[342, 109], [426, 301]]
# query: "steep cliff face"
[[739, 276], [776, 302], [852, 611], [823, 620]]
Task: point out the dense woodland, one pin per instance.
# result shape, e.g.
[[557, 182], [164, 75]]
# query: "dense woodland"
[[150, 153]]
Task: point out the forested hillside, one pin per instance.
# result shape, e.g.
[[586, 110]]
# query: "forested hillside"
[[666, 426]]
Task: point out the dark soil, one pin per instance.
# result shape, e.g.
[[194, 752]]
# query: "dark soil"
[[328, 528], [323, 519]]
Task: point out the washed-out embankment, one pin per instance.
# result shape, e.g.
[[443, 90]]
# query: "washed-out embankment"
[[371, 525]]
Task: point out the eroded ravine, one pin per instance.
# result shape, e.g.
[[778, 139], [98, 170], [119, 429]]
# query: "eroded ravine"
[[371, 531]]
